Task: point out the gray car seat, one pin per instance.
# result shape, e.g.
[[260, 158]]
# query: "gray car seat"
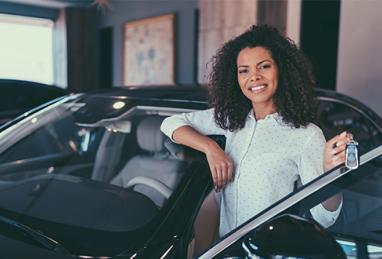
[[155, 173], [108, 156]]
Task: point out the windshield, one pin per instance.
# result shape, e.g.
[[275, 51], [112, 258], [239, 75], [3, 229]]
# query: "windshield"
[[88, 156]]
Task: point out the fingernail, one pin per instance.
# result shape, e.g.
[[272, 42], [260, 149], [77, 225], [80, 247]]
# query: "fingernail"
[[339, 143], [343, 134], [333, 152], [335, 158]]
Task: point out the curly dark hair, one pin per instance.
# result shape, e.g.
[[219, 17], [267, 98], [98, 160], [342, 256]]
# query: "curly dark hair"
[[294, 96]]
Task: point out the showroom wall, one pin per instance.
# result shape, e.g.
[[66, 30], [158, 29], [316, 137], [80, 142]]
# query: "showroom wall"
[[359, 71], [185, 31]]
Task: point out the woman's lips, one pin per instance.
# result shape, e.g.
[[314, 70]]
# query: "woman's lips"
[[257, 88]]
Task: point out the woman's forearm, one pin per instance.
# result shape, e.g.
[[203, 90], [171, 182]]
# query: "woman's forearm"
[[190, 137], [220, 164], [334, 155]]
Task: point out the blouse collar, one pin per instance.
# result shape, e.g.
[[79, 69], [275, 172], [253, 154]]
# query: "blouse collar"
[[273, 116]]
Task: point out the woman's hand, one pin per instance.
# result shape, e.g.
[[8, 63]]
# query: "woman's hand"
[[334, 153], [220, 165]]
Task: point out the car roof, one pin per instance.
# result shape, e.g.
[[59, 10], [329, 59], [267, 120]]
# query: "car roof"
[[199, 93], [192, 92], [176, 93], [23, 85]]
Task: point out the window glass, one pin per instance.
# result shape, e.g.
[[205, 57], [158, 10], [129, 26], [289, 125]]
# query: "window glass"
[[335, 118], [59, 136], [26, 48], [98, 139], [349, 248], [375, 251]]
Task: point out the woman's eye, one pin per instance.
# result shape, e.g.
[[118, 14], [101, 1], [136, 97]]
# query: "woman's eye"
[[242, 71], [265, 66]]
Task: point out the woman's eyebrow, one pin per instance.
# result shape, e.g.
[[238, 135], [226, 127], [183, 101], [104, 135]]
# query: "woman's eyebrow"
[[265, 60], [258, 63]]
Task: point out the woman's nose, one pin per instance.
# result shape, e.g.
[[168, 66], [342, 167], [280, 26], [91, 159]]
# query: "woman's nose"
[[256, 76]]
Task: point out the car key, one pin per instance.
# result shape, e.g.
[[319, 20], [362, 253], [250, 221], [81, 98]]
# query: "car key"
[[351, 155]]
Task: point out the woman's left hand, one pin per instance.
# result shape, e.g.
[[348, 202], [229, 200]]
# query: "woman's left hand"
[[334, 153]]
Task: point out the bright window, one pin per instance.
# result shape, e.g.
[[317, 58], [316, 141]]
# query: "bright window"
[[26, 48], [375, 251]]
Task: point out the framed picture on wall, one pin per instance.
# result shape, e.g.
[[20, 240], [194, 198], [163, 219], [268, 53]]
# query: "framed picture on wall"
[[149, 51]]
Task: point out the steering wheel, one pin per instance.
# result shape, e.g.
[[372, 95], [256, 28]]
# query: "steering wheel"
[[150, 182]]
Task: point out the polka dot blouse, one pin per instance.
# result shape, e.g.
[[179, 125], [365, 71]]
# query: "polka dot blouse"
[[268, 156]]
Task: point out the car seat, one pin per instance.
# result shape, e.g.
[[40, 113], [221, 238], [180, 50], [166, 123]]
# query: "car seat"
[[154, 173], [108, 156]]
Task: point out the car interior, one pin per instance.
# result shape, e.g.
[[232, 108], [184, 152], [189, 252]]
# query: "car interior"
[[130, 158], [154, 171]]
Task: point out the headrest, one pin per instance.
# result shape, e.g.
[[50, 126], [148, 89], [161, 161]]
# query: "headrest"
[[149, 136]]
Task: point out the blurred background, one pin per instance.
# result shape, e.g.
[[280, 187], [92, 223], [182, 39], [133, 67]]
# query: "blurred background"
[[90, 44]]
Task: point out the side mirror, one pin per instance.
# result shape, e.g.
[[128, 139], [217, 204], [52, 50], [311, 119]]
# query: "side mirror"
[[290, 235]]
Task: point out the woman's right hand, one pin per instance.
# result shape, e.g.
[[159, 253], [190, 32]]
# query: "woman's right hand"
[[220, 165]]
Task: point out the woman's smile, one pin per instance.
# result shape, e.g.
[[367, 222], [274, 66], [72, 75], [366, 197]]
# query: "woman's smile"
[[257, 88]]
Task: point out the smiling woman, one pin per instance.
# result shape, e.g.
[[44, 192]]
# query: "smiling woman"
[[261, 94]]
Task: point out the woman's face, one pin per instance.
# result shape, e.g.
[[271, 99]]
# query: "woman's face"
[[257, 75]]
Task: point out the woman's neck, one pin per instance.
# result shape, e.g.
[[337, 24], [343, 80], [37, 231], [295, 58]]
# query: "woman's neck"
[[262, 111]]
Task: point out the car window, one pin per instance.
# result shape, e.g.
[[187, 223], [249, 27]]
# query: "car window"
[[359, 221], [374, 251], [59, 136], [336, 117]]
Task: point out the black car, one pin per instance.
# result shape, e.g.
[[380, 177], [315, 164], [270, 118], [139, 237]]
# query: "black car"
[[92, 176], [18, 96]]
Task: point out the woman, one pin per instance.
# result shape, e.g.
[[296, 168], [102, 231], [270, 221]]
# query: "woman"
[[261, 93]]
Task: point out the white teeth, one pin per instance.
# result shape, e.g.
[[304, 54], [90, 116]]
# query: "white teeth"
[[257, 88]]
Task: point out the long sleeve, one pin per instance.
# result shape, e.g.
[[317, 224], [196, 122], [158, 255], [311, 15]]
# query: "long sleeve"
[[312, 156], [311, 166], [202, 121]]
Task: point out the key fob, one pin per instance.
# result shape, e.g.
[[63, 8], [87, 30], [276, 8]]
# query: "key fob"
[[351, 155]]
